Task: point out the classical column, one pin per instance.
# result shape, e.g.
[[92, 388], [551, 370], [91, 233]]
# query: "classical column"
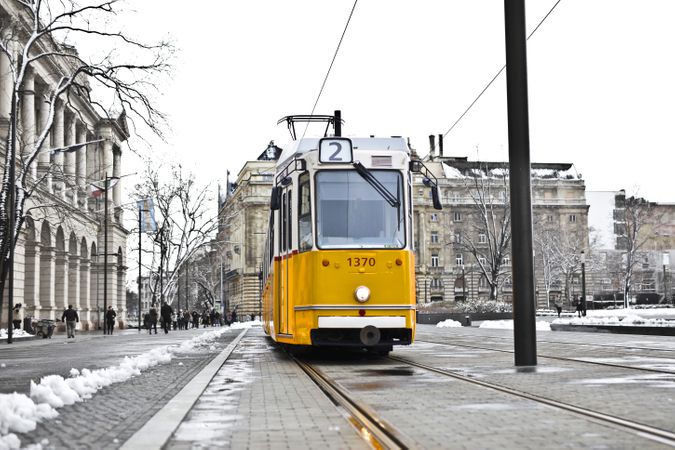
[[43, 157], [28, 114], [61, 281], [117, 171], [47, 273], [73, 297], [85, 294], [121, 295], [70, 159], [95, 299], [5, 88], [81, 161], [58, 141], [32, 280], [108, 169]]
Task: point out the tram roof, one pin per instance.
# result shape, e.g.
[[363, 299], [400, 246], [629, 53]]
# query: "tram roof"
[[305, 145]]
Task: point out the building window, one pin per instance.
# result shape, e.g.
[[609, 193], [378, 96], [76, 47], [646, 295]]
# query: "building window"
[[482, 283], [482, 238], [434, 217], [434, 260], [573, 218], [434, 237], [549, 218], [482, 260], [458, 237], [457, 216], [459, 259], [435, 282], [506, 260]]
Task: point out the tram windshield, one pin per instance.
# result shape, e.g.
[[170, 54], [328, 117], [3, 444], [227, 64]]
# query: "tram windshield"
[[351, 213]]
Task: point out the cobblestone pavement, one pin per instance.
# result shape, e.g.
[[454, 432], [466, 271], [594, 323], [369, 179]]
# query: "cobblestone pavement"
[[115, 412], [260, 399]]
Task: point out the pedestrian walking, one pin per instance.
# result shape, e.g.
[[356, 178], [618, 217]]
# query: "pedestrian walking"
[[558, 307], [195, 319], [16, 321], [146, 321], [166, 311], [110, 315], [153, 320], [234, 315], [71, 318], [579, 308]]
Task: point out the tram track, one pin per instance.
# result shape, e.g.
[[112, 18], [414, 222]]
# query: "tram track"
[[370, 426], [559, 358], [646, 431]]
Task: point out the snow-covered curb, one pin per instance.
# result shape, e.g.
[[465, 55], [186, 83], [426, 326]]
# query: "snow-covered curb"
[[15, 333], [20, 413], [508, 325], [628, 320]]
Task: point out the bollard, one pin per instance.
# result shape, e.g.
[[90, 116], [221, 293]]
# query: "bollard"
[[467, 321]]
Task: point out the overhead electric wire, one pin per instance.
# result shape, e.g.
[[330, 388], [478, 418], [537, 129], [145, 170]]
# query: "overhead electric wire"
[[351, 13], [498, 73]]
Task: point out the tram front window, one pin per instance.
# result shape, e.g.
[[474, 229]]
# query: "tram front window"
[[352, 214]]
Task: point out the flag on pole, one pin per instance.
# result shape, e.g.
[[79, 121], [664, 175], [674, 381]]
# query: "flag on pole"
[[146, 208], [99, 187]]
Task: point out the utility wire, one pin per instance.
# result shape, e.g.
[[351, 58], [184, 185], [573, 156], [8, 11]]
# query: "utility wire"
[[331, 64], [498, 73]]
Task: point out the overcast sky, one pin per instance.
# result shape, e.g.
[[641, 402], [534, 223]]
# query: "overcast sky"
[[601, 80]]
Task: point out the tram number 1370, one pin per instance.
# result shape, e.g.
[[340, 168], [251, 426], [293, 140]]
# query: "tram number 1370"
[[361, 262]]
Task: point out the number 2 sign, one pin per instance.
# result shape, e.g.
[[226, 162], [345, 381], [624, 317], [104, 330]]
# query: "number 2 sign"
[[335, 150]]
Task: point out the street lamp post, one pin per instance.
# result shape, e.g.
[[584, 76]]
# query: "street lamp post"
[[666, 262], [583, 282], [463, 284]]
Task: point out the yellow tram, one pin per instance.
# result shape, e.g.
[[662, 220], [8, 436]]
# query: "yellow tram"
[[339, 266]]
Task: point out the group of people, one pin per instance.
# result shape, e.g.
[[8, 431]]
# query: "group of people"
[[579, 302], [71, 318], [182, 320]]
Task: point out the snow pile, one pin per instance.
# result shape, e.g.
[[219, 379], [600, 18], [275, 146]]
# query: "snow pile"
[[15, 333], [448, 324], [451, 172], [616, 320], [20, 413], [508, 325]]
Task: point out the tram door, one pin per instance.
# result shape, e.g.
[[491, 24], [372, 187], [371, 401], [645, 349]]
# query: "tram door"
[[285, 245]]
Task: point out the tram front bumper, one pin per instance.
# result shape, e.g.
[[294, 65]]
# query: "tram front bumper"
[[361, 331]]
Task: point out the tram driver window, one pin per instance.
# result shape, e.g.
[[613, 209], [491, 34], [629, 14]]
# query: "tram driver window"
[[352, 214], [304, 215]]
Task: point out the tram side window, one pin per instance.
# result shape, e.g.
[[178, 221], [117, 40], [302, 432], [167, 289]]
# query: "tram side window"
[[304, 216], [284, 224], [289, 231], [271, 237]]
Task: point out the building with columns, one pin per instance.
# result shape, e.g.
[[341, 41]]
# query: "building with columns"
[[60, 255]]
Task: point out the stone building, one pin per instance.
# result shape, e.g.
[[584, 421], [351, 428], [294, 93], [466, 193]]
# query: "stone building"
[[60, 254], [652, 276], [243, 221], [445, 270]]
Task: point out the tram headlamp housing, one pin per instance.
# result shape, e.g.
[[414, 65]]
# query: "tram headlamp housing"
[[362, 294]]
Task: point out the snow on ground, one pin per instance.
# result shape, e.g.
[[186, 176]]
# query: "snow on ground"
[[647, 317], [20, 413], [508, 325], [449, 324], [15, 333]]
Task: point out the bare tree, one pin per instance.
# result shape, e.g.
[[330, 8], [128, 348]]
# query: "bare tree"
[[638, 213], [490, 237], [32, 34], [185, 222], [547, 253]]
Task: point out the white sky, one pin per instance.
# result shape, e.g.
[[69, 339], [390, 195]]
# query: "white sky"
[[601, 80]]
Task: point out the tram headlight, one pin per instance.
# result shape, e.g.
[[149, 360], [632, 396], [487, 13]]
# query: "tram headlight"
[[362, 294]]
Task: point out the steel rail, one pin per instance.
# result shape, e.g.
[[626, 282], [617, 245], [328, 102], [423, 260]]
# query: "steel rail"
[[642, 430], [561, 358], [376, 431]]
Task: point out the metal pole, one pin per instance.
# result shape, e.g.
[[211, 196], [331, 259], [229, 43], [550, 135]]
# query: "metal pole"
[[338, 123], [524, 331], [12, 221], [139, 269], [105, 255], [187, 292], [583, 287], [463, 284]]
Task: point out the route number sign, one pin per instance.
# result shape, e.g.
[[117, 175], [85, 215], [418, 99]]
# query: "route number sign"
[[335, 150]]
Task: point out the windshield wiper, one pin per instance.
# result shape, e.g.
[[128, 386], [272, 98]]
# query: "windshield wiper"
[[375, 183]]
